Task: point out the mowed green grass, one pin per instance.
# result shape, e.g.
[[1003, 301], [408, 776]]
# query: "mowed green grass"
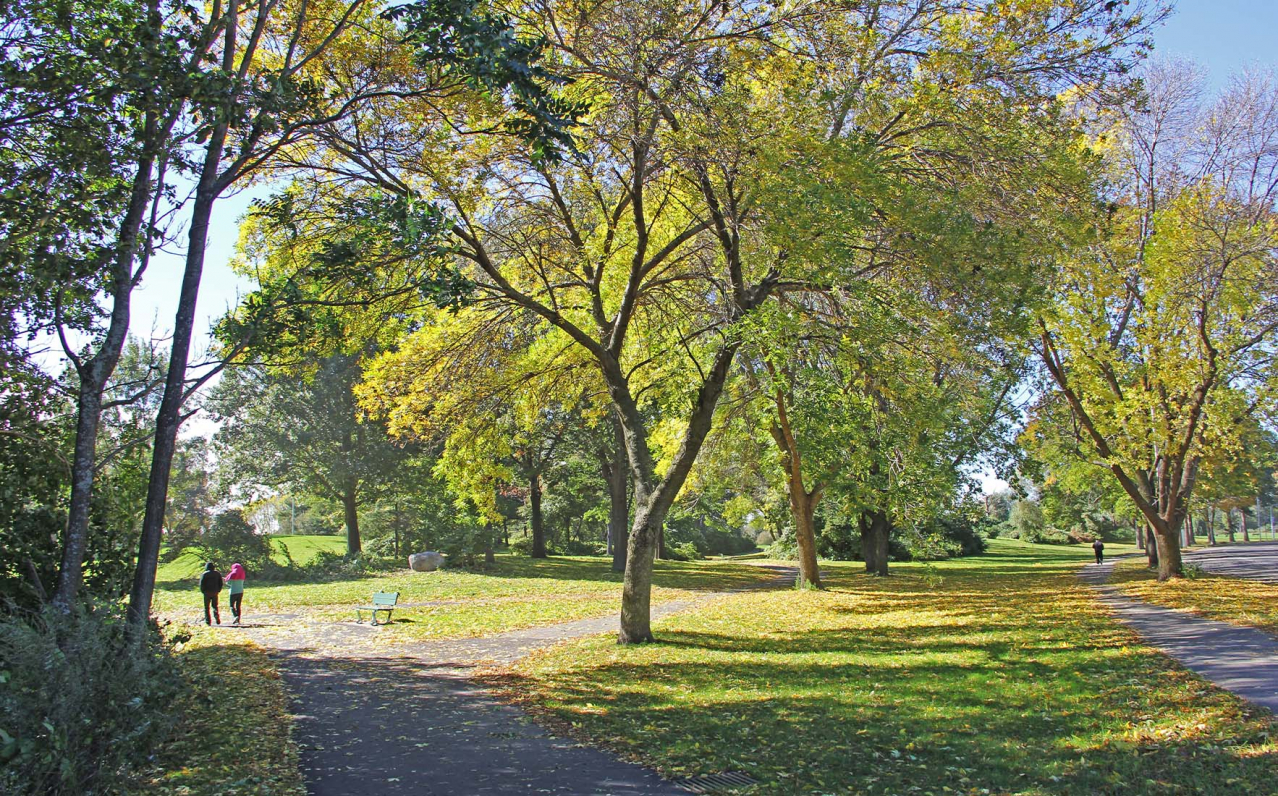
[[992, 675], [514, 593], [302, 549]]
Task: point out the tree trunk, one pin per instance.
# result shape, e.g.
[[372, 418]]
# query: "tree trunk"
[[803, 508], [1211, 527], [1168, 558], [1151, 546], [1229, 525], [802, 502], [1140, 534], [636, 587], [534, 516], [1242, 522], [618, 510], [875, 533], [1190, 539], [94, 375], [169, 417], [654, 497], [83, 470], [350, 512]]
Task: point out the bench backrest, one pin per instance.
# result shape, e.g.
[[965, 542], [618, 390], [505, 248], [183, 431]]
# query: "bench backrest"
[[385, 598]]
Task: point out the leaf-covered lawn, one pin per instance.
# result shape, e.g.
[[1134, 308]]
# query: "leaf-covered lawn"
[[234, 726], [516, 592], [1235, 600], [1007, 677]]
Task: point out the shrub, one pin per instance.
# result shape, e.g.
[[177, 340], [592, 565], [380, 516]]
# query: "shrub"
[[784, 549], [1027, 520], [1081, 535], [80, 702], [683, 551], [332, 562], [231, 539], [576, 547], [522, 545]]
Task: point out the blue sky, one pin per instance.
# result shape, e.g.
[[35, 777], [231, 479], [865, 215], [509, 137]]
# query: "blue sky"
[[1224, 36]]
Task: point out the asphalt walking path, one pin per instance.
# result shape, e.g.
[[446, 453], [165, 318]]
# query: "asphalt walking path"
[[1239, 659], [1251, 560], [410, 721]]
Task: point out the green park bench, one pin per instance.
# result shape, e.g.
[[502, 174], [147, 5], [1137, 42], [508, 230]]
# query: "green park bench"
[[382, 601]]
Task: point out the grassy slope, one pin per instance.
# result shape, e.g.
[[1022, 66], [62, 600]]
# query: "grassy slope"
[[234, 731], [188, 566], [517, 592], [1234, 600], [1006, 677]]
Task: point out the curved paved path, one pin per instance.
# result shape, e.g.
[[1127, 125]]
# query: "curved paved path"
[[1253, 560], [1239, 659], [408, 720]]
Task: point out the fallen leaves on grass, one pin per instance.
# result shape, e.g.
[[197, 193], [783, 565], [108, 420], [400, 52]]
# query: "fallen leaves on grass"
[[1249, 603], [233, 733], [1007, 679]]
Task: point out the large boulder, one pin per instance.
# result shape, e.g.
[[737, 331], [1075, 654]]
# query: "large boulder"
[[426, 562]]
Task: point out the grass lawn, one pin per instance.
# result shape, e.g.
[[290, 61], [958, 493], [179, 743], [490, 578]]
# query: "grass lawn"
[[516, 592], [302, 549], [992, 675], [233, 732], [1235, 600]]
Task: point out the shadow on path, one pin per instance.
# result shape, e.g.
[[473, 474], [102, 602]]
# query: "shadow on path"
[[1238, 659], [400, 727], [409, 721]]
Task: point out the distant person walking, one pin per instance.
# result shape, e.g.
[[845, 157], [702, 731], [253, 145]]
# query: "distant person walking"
[[211, 587], [235, 586], [1098, 547]]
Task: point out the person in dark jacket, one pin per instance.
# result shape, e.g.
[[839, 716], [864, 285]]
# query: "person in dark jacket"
[[1098, 547], [211, 586]]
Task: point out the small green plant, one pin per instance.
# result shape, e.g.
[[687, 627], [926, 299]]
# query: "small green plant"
[[803, 584]]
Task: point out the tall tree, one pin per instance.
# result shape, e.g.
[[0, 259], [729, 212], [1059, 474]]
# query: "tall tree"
[[286, 70], [305, 432], [93, 93], [1161, 339], [646, 249]]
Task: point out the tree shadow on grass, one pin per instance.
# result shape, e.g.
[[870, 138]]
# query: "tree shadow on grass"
[[872, 718]]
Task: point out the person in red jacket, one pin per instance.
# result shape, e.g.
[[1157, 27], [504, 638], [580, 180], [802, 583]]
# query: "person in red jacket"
[[211, 587], [235, 585]]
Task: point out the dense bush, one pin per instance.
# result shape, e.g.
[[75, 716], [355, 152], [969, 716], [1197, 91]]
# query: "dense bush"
[[1026, 521], [80, 703], [334, 563], [683, 551], [230, 539], [576, 547], [703, 525], [522, 545]]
